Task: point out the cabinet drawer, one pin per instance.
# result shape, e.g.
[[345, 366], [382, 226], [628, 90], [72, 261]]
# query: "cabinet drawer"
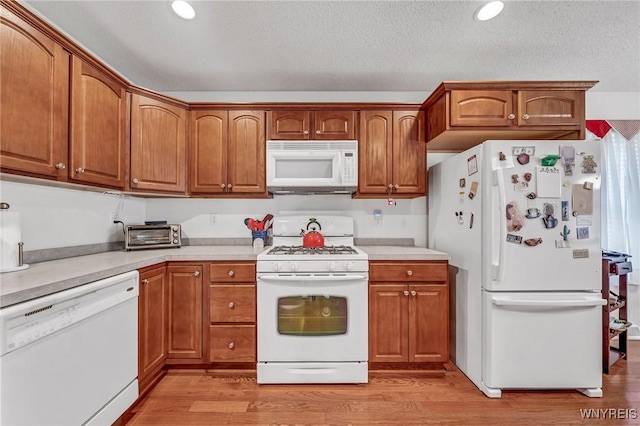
[[408, 272], [232, 343], [232, 272], [232, 303]]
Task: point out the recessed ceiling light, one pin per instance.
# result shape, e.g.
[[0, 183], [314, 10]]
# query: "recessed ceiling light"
[[183, 9], [489, 11]]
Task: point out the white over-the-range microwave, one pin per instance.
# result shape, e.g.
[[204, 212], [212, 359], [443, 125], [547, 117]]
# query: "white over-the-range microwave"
[[312, 167]]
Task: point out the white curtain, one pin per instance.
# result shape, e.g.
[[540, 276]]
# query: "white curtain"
[[621, 196]]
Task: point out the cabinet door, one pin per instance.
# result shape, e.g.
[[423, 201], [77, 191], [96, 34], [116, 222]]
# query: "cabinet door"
[[289, 124], [34, 104], [208, 151], [158, 131], [334, 125], [246, 153], [482, 108], [185, 311], [388, 323], [428, 323], [550, 108], [375, 152], [97, 127], [152, 316], [409, 153]]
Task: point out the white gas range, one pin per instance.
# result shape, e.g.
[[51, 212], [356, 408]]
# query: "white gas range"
[[312, 305]]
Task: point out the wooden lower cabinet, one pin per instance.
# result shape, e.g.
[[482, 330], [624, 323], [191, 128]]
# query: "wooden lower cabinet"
[[408, 312], [232, 312], [152, 326], [185, 289]]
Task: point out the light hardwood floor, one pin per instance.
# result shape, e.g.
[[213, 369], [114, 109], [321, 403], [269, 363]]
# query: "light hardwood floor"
[[199, 397]]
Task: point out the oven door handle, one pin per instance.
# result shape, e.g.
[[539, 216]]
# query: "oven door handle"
[[311, 277]]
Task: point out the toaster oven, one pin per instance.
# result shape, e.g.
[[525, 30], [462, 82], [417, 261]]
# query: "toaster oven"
[[138, 237]]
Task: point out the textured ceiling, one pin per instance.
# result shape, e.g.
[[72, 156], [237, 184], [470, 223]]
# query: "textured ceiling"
[[355, 45]]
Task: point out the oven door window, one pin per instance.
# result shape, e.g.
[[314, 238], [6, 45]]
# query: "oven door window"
[[316, 315], [141, 237]]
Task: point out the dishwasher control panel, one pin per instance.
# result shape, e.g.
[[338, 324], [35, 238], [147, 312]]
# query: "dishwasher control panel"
[[24, 334]]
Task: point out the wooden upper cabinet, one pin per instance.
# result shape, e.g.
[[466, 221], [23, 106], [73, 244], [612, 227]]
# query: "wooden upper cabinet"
[[482, 108], [552, 108], [391, 154], [246, 153], [158, 141], [208, 136], [34, 103], [322, 125], [227, 152], [375, 152], [463, 114], [97, 127]]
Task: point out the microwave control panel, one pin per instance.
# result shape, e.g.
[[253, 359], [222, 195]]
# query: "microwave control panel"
[[349, 168]]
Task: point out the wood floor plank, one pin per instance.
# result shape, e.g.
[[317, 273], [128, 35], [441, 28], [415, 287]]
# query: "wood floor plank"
[[210, 397]]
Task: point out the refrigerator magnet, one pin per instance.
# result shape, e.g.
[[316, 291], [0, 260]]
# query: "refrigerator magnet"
[[512, 238], [473, 190], [515, 219], [472, 165], [582, 233], [588, 164], [568, 155], [532, 242], [565, 211]]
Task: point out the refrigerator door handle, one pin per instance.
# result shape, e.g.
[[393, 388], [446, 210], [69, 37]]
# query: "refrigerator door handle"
[[501, 266], [548, 303]]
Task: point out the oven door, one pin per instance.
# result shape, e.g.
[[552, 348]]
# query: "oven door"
[[313, 317]]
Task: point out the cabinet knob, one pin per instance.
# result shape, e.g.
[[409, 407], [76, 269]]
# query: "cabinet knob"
[[390, 186], [231, 273], [223, 186], [135, 180], [317, 132], [196, 274], [61, 166], [409, 272], [406, 292], [525, 117], [79, 170], [511, 116], [232, 305], [413, 292], [306, 132], [231, 345], [396, 186], [145, 281], [229, 186]]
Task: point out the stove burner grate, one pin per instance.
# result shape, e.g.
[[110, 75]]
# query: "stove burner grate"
[[292, 250]]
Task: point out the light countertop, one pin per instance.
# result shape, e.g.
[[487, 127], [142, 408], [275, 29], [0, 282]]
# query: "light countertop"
[[45, 278]]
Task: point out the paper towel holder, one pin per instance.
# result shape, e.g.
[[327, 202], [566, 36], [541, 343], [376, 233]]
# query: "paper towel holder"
[[21, 265]]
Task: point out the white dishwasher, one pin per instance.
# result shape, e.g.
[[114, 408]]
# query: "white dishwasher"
[[71, 358]]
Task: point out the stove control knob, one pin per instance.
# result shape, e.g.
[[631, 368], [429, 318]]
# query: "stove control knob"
[[331, 266], [276, 266], [293, 266], [349, 266]]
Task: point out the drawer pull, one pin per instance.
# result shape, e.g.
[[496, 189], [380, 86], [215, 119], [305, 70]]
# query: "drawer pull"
[[231, 273], [409, 272], [145, 281], [232, 305], [196, 274], [406, 292], [231, 345]]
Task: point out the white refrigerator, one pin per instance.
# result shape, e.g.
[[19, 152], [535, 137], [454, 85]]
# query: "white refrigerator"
[[521, 220]]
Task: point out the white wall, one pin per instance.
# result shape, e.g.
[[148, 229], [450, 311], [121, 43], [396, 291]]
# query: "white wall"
[[59, 217], [406, 219]]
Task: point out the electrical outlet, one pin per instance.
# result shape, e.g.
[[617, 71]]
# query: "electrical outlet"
[[212, 219], [113, 216]]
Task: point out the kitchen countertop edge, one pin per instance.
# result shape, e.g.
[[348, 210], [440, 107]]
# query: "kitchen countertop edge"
[[42, 279]]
